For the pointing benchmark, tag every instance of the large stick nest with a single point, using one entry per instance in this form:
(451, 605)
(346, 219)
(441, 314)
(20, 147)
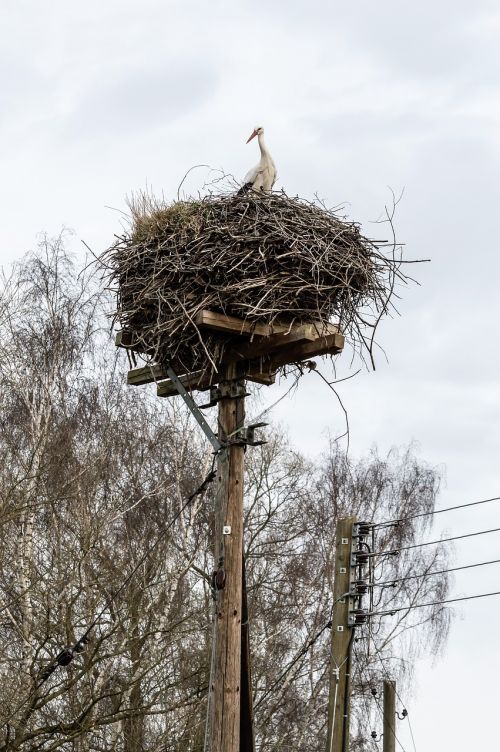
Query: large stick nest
(263, 258)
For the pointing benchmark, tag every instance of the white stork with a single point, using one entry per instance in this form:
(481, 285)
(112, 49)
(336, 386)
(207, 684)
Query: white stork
(262, 177)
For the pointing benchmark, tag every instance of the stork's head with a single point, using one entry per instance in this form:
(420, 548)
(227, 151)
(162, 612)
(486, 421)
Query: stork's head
(257, 131)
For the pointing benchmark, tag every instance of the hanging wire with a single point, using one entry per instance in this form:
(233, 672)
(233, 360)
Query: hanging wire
(431, 603)
(381, 711)
(398, 520)
(363, 696)
(380, 657)
(393, 551)
(423, 575)
(299, 655)
(270, 407)
(292, 663)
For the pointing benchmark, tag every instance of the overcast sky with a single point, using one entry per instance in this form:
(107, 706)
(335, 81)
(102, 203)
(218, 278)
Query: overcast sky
(101, 98)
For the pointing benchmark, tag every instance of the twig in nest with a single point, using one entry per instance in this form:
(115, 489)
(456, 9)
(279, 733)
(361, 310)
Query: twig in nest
(263, 258)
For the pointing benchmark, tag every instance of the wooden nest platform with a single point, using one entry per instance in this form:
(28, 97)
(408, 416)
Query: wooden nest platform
(265, 280)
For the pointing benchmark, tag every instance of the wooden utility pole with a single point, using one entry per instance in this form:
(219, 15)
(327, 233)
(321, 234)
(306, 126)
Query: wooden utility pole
(389, 716)
(254, 351)
(338, 706)
(226, 678)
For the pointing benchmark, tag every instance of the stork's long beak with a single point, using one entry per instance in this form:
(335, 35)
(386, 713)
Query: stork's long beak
(252, 136)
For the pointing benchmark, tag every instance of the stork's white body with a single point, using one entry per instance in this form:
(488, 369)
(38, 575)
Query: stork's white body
(263, 176)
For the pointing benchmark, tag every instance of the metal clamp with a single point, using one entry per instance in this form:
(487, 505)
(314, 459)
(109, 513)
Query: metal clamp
(359, 587)
(226, 390)
(246, 435)
(357, 616)
(359, 557)
(361, 529)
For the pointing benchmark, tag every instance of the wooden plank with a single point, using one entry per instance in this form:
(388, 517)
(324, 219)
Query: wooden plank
(261, 378)
(262, 361)
(198, 380)
(332, 344)
(232, 325)
(145, 375)
(267, 345)
(150, 374)
(267, 336)
(261, 371)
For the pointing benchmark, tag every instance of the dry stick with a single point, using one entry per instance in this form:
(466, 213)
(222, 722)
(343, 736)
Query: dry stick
(254, 256)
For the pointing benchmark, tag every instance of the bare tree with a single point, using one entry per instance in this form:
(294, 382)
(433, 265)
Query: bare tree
(101, 556)
(295, 507)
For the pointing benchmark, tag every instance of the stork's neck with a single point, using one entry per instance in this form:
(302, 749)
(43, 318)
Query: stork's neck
(262, 145)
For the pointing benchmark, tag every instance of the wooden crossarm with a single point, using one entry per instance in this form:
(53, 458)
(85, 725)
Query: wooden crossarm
(192, 381)
(201, 382)
(261, 370)
(268, 345)
(332, 344)
(218, 322)
(145, 375)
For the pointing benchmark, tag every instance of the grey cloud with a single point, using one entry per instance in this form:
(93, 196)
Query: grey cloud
(140, 98)
(424, 40)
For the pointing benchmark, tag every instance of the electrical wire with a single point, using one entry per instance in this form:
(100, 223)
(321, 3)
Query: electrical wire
(394, 551)
(363, 696)
(391, 551)
(379, 708)
(266, 410)
(436, 511)
(423, 575)
(379, 656)
(367, 680)
(432, 603)
(292, 663)
(299, 655)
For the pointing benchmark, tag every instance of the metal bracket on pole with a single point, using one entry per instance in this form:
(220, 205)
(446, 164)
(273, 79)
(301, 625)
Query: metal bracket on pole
(193, 407)
(246, 435)
(225, 390)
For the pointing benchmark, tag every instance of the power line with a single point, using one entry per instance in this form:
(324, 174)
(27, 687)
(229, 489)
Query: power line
(431, 603)
(433, 543)
(377, 703)
(389, 552)
(422, 575)
(436, 511)
(362, 694)
(292, 663)
(299, 655)
(379, 656)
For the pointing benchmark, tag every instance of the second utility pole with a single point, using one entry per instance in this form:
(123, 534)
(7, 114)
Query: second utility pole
(389, 716)
(340, 666)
